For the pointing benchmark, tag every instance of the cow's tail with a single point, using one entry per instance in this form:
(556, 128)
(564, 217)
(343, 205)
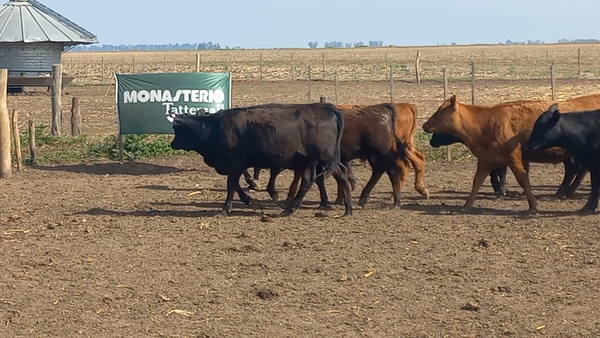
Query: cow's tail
(398, 143)
(337, 156)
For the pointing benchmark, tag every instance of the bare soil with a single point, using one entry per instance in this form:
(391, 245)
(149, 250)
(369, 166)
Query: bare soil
(132, 251)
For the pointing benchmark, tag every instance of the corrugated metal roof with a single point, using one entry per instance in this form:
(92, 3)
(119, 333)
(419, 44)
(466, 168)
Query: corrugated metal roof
(30, 21)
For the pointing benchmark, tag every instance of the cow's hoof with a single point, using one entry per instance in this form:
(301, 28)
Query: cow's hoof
(274, 197)
(222, 213)
(324, 207)
(586, 212)
(347, 214)
(254, 204)
(361, 202)
(286, 213)
(396, 206)
(531, 212)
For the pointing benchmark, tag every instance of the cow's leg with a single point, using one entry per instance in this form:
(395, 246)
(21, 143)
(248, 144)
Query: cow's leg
(256, 173)
(304, 187)
(571, 169)
(252, 184)
(341, 174)
(324, 204)
(233, 183)
(578, 179)
(482, 172)
(351, 177)
(520, 170)
(395, 173)
(417, 160)
(271, 185)
(498, 181)
(340, 191)
(293, 187)
(375, 176)
(592, 203)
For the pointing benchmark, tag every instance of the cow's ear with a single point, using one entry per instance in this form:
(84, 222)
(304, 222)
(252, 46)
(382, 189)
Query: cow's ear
(555, 112)
(453, 100)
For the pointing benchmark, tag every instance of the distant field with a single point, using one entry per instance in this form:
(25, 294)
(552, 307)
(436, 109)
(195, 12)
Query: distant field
(352, 64)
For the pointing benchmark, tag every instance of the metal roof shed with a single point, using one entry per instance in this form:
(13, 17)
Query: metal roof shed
(32, 39)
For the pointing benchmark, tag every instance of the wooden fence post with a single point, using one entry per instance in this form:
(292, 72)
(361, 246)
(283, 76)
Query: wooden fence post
(579, 63)
(198, 63)
(336, 86)
(323, 66)
(102, 71)
(308, 79)
(392, 83)
(56, 95)
(445, 83)
(17, 139)
(322, 99)
(418, 66)
(32, 146)
(75, 117)
(261, 67)
(5, 154)
(133, 64)
(293, 68)
(483, 64)
(473, 100)
(553, 80)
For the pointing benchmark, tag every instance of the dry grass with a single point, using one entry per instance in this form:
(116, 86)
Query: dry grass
(354, 64)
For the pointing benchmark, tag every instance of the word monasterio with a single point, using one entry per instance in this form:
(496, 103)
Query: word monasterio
(168, 100)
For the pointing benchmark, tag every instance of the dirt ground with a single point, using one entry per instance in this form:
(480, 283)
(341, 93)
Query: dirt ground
(127, 250)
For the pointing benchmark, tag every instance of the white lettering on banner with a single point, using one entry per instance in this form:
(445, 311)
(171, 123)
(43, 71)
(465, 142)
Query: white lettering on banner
(165, 96)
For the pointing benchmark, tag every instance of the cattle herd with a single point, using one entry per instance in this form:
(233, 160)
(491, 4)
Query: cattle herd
(316, 140)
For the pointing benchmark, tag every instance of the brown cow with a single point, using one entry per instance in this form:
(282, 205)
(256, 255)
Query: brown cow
(406, 126)
(369, 133)
(496, 135)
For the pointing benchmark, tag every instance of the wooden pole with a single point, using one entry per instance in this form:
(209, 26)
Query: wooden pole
(293, 68)
(32, 146)
(165, 62)
(261, 67)
(336, 86)
(308, 79)
(445, 82)
(392, 83)
(198, 62)
(56, 95)
(75, 117)
(579, 63)
(133, 64)
(322, 99)
(5, 154)
(102, 71)
(120, 144)
(483, 64)
(323, 67)
(553, 80)
(473, 83)
(515, 64)
(17, 139)
(418, 66)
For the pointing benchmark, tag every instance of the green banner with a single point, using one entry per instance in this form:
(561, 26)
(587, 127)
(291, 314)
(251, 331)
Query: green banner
(144, 101)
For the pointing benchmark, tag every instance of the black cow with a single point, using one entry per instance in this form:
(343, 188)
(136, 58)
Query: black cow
(301, 137)
(579, 134)
(497, 176)
(573, 171)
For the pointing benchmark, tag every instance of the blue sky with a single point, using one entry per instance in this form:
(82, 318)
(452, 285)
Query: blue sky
(268, 23)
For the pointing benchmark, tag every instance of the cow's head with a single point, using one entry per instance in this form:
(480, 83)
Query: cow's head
(441, 139)
(191, 132)
(445, 118)
(546, 130)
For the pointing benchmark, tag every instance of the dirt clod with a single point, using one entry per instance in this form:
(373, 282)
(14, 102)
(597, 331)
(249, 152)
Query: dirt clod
(267, 294)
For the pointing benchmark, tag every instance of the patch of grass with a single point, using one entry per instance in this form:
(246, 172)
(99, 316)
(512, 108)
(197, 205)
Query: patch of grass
(53, 149)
